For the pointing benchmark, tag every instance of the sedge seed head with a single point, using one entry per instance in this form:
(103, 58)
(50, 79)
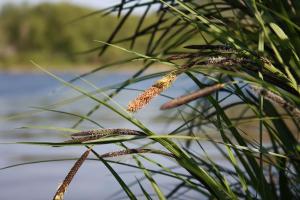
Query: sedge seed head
(144, 98)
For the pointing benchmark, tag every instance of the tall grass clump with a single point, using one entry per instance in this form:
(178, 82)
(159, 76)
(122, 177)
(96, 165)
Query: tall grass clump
(241, 58)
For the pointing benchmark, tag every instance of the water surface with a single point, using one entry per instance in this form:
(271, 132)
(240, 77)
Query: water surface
(19, 93)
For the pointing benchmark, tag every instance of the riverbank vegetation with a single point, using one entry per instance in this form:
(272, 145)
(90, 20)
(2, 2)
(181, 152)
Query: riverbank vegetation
(50, 34)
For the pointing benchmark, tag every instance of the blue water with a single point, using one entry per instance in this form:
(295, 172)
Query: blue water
(19, 92)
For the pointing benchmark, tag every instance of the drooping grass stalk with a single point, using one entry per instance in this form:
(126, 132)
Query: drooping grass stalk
(89, 135)
(59, 195)
(193, 96)
(277, 99)
(209, 47)
(135, 151)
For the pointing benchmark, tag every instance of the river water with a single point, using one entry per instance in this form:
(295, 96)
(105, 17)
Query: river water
(19, 93)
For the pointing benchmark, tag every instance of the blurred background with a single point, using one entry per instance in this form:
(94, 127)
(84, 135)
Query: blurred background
(46, 32)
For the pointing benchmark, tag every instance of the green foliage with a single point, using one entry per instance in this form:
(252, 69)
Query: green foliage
(243, 43)
(44, 32)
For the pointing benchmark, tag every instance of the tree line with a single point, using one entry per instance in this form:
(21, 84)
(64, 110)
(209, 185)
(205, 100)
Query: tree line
(45, 32)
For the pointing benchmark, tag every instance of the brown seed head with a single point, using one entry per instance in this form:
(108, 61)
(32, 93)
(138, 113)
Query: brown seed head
(135, 151)
(193, 96)
(277, 99)
(59, 195)
(144, 98)
(90, 135)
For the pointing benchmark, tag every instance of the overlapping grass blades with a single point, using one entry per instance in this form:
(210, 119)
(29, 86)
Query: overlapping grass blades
(262, 162)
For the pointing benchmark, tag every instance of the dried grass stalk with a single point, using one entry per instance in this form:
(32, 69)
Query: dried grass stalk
(225, 61)
(277, 99)
(134, 151)
(59, 195)
(211, 47)
(193, 96)
(89, 135)
(144, 98)
(108, 131)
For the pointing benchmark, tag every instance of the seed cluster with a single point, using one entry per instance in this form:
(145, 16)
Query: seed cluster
(59, 195)
(211, 47)
(134, 151)
(277, 99)
(144, 98)
(225, 61)
(90, 135)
